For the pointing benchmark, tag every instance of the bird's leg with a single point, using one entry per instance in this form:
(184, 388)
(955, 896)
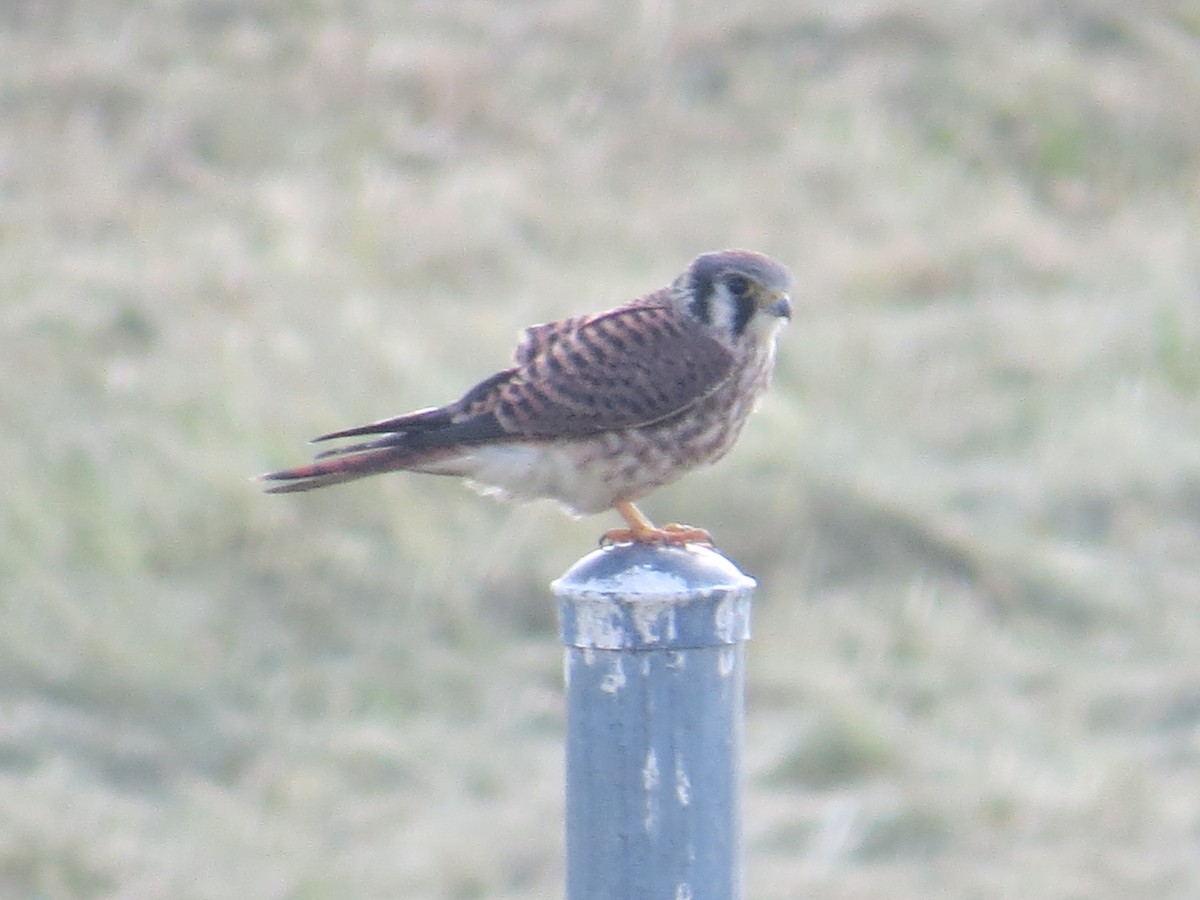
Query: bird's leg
(642, 531)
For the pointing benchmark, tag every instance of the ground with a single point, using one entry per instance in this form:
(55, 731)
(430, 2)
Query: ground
(972, 500)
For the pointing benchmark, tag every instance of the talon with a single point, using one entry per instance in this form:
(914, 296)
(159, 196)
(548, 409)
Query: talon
(618, 536)
(642, 531)
(687, 534)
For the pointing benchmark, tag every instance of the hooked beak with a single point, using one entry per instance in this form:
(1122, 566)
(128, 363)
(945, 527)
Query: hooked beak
(782, 307)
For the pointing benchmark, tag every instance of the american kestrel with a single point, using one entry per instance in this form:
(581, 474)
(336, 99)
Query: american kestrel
(597, 410)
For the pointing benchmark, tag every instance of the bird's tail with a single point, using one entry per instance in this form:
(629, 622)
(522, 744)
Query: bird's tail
(425, 438)
(325, 472)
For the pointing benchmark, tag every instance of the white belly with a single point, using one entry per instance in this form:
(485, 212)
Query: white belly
(588, 475)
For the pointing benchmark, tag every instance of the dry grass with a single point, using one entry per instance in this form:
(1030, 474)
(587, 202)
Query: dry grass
(973, 500)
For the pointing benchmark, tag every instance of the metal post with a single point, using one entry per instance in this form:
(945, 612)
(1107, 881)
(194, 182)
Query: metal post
(654, 668)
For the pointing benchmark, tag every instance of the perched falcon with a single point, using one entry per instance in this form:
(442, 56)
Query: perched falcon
(597, 410)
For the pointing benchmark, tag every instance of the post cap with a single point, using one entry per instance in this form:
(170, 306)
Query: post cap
(635, 596)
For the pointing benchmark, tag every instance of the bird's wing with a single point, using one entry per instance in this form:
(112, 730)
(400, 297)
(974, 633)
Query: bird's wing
(586, 375)
(631, 366)
(536, 339)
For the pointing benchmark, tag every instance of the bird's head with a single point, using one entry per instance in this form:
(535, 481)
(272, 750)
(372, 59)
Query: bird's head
(740, 294)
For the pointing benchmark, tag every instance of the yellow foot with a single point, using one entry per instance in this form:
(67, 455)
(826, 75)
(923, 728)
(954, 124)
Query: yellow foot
(642, 531)
(677, 535)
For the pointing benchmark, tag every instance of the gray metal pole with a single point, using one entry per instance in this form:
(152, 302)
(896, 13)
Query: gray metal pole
(654, 667)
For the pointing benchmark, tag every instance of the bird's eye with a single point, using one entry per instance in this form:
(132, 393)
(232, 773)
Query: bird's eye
(738, 285)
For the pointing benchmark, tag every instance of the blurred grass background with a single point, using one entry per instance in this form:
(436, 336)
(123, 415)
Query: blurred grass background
(972, 500)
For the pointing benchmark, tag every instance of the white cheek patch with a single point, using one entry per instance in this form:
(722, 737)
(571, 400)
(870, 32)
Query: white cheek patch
(722, 309)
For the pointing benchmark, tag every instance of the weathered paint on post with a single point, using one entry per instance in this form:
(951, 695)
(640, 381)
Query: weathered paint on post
(654, 667)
